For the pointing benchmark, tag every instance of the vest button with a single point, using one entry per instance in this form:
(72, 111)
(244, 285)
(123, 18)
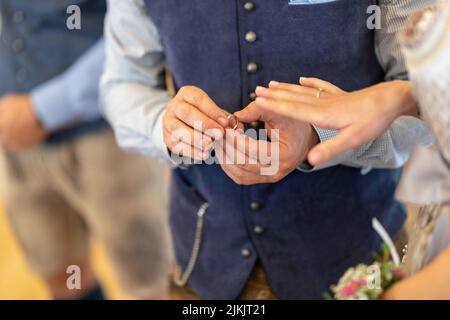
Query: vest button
(246, 252)
(18, 16)
(21, 75)
(255, 125)
(17, 45)
(250, 36)
(255, 205)
(252, 95)
(258, 230)
(252, 67)
(249, 6)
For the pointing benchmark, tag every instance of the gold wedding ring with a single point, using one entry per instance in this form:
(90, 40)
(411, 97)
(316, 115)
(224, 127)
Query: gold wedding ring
(319, 93)
(233, 119)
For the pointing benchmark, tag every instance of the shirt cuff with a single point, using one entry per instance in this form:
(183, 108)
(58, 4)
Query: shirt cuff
(323, 135)
(49, 102)
(158, 140)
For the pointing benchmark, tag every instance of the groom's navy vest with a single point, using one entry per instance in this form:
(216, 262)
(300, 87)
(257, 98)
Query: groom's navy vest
(308, 228)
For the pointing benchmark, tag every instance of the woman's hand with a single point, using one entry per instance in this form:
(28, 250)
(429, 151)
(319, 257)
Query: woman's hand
(361, 116)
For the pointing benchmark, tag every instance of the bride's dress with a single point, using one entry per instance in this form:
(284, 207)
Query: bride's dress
(426, 179)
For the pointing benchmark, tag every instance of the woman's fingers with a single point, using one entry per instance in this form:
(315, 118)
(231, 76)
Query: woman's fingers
(318, 83)
(290, 95)
(293, 88)
(185, 150)
(321, 116)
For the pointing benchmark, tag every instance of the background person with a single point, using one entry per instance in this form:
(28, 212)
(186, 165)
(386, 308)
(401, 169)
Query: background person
(63, 178)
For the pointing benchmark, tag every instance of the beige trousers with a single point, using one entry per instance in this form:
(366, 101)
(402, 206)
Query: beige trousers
(56, 197)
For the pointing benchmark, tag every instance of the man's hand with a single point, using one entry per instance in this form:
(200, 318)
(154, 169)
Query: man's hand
(192, 122)
(293, 140)
(19, 125)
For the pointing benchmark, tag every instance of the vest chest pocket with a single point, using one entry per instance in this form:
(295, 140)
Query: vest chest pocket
(332, 32)
(327, 9)
(187, 212)
(309, 2)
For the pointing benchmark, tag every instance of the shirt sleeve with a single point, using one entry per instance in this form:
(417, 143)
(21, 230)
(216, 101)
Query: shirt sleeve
(133, 97)
(71, 97)
(392, 149)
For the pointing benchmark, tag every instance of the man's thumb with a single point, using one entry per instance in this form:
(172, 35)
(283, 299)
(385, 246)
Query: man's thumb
(250, 113)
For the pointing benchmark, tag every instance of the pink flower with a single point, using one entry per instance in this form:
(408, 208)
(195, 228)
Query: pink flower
(351, 288)
(362, 282)
(347, 291)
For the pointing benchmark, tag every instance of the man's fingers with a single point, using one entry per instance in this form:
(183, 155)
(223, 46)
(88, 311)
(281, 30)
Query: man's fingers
(318, 83)
(182, 149)
(234, 157)
(199, 99)
(236, 174)
(250, 113)
(257, 151)
(196, 119)
(243, 177)
(177, 130)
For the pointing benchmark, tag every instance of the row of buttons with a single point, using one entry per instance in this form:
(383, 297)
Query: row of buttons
(18, 45)
(258, 230)
(252, 67)
(250, 37)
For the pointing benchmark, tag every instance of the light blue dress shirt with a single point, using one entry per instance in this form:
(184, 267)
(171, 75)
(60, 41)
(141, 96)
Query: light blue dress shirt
(76, 88)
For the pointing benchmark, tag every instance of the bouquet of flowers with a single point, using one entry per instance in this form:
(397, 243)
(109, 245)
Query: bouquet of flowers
(368, 282)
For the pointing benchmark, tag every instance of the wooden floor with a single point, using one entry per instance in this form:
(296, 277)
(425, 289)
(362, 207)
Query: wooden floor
(17, 282)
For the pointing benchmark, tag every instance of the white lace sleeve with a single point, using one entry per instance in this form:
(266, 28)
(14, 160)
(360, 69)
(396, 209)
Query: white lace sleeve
(426, 43)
